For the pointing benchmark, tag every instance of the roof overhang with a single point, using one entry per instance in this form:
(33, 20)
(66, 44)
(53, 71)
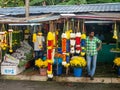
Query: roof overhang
(45, 18)
(24, 24)
(97, 16)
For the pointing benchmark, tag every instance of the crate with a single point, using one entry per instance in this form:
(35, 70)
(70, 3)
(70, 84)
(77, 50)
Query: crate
(11, 70)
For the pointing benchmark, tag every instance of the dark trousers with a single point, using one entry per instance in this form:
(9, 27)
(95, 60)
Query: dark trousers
(38, 54)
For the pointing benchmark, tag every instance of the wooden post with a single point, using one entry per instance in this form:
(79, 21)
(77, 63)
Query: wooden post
(27, 8)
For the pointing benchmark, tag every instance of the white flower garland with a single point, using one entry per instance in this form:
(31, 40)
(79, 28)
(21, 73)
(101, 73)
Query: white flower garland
(72, 43)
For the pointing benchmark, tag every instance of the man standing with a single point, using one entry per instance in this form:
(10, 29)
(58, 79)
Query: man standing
(93, 45)
(39, 46)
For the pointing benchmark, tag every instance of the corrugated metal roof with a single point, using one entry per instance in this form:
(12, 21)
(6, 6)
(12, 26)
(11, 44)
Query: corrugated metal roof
(83, 8)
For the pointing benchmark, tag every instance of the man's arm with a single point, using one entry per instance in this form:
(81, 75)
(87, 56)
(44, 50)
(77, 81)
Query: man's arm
(99, 47)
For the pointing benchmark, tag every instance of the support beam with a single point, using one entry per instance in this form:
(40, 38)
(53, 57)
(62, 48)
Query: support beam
(27, 8)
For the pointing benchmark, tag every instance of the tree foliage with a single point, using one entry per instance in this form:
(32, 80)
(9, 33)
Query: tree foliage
(102, 1)
(17, 3)
(11, 3)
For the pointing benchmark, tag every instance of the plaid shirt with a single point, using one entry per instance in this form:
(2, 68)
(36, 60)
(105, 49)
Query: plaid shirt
(91, 46)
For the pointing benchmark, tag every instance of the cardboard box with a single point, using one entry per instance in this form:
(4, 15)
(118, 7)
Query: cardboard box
(11, 70)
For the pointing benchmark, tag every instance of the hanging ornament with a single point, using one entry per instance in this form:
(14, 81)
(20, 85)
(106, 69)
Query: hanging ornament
(115, 36)
(10, 40)
(50, 44)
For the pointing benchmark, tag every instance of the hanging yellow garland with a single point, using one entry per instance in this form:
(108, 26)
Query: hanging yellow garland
(115, 36)
(10, 40)
(3, 40)
(34, 37)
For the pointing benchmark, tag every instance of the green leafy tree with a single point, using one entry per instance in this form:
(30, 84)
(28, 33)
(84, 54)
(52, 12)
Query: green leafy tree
(17, 3)
(11, 3)
(102, 1)
(44, 2)
(73, 2)
(57, 2)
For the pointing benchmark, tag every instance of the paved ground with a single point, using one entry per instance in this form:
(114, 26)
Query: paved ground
(52, 85)
(105, 73)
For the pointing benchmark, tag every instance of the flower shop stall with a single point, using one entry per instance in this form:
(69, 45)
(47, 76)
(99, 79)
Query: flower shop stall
(65, 45)
(15, 53)
(14, 63)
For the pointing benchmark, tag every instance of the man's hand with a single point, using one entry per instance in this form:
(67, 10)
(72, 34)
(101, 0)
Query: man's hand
(98, 48)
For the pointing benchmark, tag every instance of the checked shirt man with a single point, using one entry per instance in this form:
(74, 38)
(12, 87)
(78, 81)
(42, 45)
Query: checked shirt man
(93, 45)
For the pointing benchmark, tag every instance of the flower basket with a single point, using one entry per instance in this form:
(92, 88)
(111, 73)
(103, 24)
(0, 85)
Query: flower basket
(77, 63)
(43, 71)
(117, 63)
(42, 64)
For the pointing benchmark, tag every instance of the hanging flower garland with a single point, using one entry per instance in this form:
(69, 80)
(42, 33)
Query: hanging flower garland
(83, 40)
(56, 37)
(72, 43)
(3, 40)
(54, 45)
(50, 45)
(78, 41)
(34, 37)
(10, 40)
(68, 45)
(39, 39)
(83, 44)
(64, 40)
(16, 37)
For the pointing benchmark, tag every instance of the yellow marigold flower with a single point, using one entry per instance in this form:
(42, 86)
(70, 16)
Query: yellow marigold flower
(117, 61)
(77, 61)
(83, 36)
(10, 50)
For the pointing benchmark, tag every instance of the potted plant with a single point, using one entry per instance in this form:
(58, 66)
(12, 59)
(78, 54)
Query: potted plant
(117, 63)
(42, 64)
(77, 63)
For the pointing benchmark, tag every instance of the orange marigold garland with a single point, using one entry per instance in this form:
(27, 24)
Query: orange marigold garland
(64, 40)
